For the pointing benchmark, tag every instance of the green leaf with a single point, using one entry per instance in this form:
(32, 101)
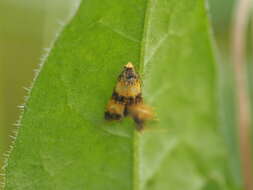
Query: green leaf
(64, 142)
(228, 116)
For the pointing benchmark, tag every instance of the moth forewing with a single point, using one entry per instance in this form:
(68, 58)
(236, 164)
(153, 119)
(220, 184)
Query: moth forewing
(140, 113)
(114, 110)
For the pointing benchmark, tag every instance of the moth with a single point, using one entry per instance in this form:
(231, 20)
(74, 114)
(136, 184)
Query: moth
(126, 99)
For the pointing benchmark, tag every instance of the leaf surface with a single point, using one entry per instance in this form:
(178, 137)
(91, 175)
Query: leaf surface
(64, 142)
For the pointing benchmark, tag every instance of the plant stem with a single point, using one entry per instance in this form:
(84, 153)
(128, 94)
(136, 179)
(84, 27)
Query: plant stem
(242, 94)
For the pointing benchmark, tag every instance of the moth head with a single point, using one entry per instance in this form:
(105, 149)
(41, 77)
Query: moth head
(128, 74)
(129, 65)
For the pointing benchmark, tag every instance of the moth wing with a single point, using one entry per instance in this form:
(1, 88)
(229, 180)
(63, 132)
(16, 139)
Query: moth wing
(140, 114)
(114, 110)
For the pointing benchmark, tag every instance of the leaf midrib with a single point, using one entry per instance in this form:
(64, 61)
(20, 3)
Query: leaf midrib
(137, 134)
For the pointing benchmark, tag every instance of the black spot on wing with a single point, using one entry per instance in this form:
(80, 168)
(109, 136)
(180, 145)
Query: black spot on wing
(112, 116)
(127, 100)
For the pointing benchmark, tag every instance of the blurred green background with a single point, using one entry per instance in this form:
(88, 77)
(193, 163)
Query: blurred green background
(29, 26)
(26, 28)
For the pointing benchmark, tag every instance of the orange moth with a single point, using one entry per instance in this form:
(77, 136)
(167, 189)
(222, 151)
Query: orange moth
(127, 100)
